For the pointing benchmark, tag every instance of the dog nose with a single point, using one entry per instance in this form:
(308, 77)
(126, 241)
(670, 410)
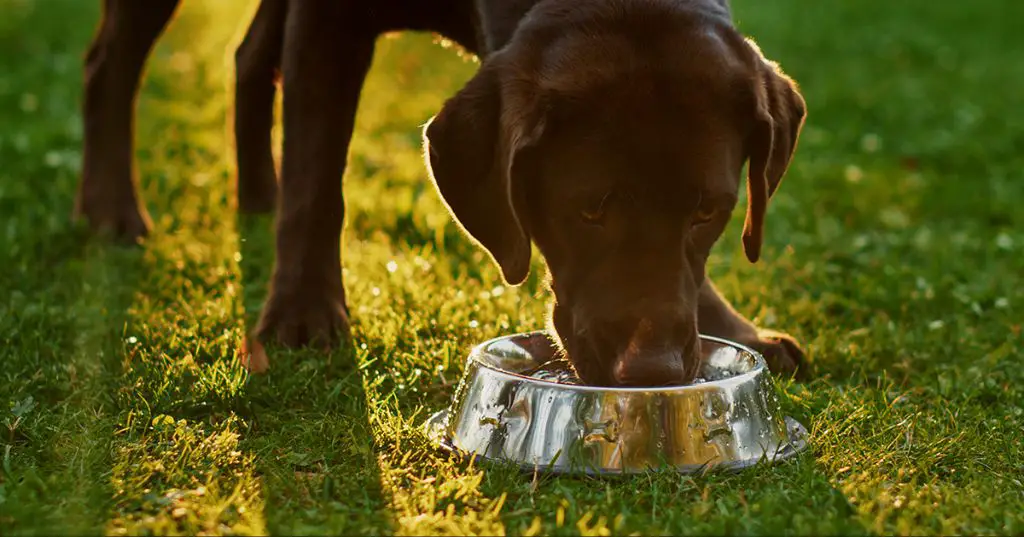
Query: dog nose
(657, 363)
(662, 368)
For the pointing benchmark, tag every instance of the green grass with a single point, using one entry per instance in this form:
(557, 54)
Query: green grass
(893, 251)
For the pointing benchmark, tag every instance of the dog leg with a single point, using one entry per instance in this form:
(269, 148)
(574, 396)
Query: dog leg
(716, 317)
(327, 53)
(257, 61)
(106, 196)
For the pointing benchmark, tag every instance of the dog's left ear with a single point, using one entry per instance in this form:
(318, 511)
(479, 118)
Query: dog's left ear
(780, 115)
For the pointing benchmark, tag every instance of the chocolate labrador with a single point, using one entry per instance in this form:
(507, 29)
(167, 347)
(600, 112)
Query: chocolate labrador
(610, 133)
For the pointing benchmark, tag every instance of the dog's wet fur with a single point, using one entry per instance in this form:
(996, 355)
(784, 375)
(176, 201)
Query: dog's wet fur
(610, 133)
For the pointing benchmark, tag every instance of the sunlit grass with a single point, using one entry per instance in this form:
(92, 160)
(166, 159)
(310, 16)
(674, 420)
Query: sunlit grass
(893, 250)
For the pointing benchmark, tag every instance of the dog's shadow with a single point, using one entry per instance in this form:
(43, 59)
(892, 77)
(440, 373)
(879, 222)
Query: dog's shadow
(255, 262)
(312, 434)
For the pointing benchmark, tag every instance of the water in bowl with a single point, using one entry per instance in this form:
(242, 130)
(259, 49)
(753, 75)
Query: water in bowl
(558, 370)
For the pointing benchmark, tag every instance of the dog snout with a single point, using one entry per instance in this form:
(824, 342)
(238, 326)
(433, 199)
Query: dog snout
(660, 367)
(646, 351)
(659, 357)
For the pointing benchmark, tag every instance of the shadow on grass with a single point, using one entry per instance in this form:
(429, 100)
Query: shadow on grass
(312, 437)
(68, 313)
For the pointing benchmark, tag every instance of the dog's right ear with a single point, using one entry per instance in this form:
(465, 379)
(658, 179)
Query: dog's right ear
(471, 146)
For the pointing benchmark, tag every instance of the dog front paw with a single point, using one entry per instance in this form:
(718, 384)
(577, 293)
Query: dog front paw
(782, 353)
(294, 320)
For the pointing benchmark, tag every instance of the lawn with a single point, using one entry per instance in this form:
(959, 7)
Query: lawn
(893, 251)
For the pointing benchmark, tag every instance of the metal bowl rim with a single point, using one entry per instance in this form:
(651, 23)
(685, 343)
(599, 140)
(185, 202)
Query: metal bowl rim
(481, 350)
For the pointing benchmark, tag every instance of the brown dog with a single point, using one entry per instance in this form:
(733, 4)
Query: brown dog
(611, 133)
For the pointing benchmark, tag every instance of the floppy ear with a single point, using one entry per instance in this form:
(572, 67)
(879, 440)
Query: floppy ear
(471, 146)
(780, 116)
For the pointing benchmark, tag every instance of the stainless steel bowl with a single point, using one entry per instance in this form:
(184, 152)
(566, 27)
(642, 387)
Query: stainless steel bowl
(731, 420)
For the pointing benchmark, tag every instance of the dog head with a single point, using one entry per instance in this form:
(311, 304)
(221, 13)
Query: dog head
(613, 135)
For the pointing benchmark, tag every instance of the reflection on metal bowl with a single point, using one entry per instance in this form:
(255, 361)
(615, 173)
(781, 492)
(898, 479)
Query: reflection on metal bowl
(730, 420)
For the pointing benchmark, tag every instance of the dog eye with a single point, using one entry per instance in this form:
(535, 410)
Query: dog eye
(593, 217)
(594, 213)
(704, 215)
